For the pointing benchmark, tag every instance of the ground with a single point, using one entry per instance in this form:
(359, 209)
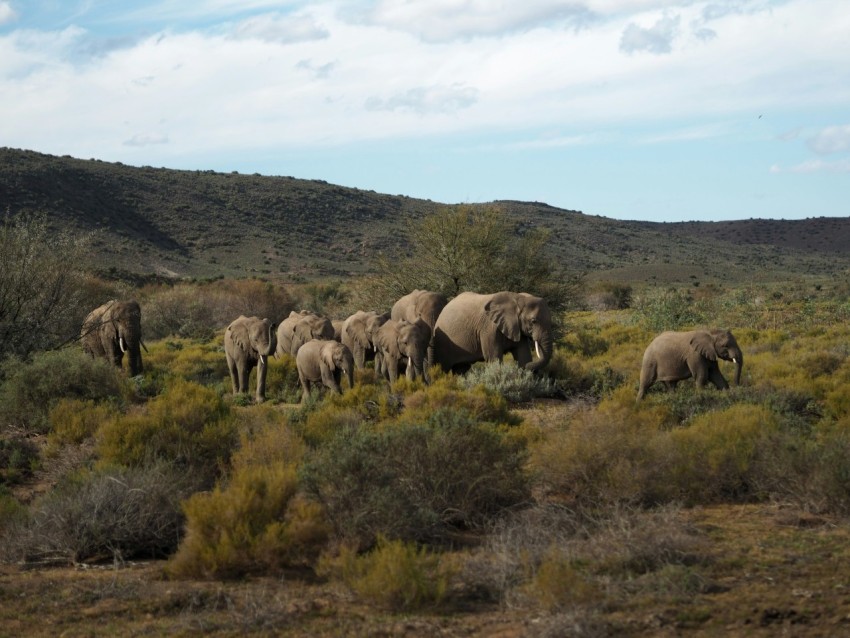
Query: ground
(772, 571)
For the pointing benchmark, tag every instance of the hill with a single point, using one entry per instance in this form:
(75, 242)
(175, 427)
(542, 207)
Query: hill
(179, 223)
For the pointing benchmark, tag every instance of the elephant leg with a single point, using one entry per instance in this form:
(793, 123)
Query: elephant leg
(359, 353)
(261, 383)
(717, 378)
(648, 375)
(392, 369)
(329, 379)
(234, 374)
(244, 375)
(305, 390)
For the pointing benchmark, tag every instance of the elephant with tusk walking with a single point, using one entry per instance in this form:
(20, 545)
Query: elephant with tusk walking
(113, 329)
(675, 356)
(248, 342)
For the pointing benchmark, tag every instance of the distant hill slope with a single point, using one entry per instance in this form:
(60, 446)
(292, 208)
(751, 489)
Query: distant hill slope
(202, 224)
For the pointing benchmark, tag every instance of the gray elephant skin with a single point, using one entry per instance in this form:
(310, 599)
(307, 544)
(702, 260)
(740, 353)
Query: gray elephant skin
(299, 328)
(324, 362)
(675, 356)
(248, 342)
(113, 329)
(475, 327)
(402, 343)
(358, 333)
(424, 305)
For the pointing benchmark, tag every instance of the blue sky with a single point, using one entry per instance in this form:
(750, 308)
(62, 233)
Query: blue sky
(663, 110)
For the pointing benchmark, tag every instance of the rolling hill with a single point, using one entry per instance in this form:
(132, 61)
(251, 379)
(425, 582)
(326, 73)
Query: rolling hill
(177, 223)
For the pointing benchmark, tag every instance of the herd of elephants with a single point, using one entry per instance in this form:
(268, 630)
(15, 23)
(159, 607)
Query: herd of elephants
(422, 329)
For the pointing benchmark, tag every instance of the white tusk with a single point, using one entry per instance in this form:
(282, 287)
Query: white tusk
(121, 344)
(734, 360)
(262, 360)
(410, 361)
(537, 349)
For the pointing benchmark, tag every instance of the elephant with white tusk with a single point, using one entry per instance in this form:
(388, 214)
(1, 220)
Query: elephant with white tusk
(424, 305)
(474, 327)
(402, 343)
(113, 329)
(358, 333)
(675, 356)
(248, 342)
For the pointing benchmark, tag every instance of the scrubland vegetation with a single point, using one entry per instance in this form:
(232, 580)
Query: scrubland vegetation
(550, 505)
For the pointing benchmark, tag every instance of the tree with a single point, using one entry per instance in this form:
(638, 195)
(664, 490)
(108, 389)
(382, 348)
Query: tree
(40, 286)
(470, 248)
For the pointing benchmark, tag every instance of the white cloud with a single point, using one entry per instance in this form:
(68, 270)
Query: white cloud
(834, 139)
(423, 100)
(280, 28)
(146, 139)
(7, 13)
(655, 39)
(814, 166)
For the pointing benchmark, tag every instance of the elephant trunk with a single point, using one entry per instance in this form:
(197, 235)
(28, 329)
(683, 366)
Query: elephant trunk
(739, 363)
(543, 346)
(129, 342)
(348, 370)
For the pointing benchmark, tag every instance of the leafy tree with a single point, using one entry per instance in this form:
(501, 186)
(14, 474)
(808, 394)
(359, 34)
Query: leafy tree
(41, 285)
(470, 248)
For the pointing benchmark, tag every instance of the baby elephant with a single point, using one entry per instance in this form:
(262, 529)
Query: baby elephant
(673, 356)
(325, 362)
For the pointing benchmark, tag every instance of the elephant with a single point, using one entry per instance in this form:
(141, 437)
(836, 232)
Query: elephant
(324, 361)
(111, 330)
(358, 333)
(248, 342)
(337, 324)
(475, 327)
(403, 342)
(420, 304)
(674, 356)
(299, 328)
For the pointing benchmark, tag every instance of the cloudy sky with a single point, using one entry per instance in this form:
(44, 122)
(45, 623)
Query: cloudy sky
(633, 109)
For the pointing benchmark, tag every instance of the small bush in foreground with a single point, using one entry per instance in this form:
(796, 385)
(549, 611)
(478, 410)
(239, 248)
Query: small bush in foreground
(507, 379)
(72, 421)
(256, 523)
(188, 425)
(115, 513)
(395, 575)
(31, 389)
(416, 480)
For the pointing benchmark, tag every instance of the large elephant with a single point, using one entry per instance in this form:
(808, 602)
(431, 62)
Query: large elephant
(674, 356)
(324, 362)
(358, 332)
(299, 328)
(113, 329)
(424, 305)
(474, 327)
(403, 342)
(248, 342)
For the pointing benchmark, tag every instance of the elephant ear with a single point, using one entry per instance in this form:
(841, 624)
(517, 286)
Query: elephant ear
(503, 311)
(357, 333)
(326, 356)
(239, 335)
(703, 343)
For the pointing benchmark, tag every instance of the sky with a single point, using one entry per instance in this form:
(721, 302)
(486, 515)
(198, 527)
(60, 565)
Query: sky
(660, 110)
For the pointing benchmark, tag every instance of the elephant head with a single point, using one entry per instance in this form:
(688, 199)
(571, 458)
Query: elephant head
(518, 315)
(358, 333)
(310, 326)
(263, 339)
(337, 358)
(413, 341)
(719, 344)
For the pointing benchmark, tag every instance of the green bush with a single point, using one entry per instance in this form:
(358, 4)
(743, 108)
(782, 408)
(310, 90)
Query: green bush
(32, 389)
(72, 421)
(396, 575)
(417, 480)
(515, 384)
(188, 425)
(257, 523)
(18, 457)
(116, 513)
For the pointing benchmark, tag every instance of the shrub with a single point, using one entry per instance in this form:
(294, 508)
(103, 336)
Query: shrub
(667, 310)
(479, 403)
(396, 575)
(187, 425)
(114, 513)
(256, 523)
(18, 458)
(515, 384)
(416, 480)
(199, 361)
(72, 421)
(31, 389)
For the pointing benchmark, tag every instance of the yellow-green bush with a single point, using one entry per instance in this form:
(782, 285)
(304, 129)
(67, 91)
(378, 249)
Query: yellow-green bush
(72, 421)
(187, 424)
(713, 457)
(557, 583)
(266, 439)
(479, 403)
(395, 575)
(256, 523)
(200, 361)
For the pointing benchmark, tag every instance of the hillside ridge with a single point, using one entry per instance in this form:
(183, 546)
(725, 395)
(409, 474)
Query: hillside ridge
(201, 223)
